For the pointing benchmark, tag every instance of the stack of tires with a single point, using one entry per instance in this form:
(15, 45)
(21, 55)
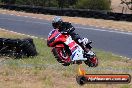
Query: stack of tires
(17, 48)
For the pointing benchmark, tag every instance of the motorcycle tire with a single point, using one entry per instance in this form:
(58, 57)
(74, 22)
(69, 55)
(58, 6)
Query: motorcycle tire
(28, 48)
(60, 58)
(91, 63)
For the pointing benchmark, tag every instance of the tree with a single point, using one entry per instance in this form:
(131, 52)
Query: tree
(60, 3)
(72, 2)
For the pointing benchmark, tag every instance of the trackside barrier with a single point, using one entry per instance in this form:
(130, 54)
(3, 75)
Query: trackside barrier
(71, 12)
(17, 48)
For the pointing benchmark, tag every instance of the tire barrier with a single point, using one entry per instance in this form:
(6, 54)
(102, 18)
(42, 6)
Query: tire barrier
(71, 12)
(17, 48)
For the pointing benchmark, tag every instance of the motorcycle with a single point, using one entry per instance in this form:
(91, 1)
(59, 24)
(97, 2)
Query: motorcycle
(66, 50)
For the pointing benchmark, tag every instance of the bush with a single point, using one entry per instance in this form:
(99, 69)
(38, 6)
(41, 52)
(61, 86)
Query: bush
(94, 4)
(45, 3)
(83, 4)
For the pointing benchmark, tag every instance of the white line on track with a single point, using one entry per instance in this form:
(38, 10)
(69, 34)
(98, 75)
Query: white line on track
(40, 18)
(24, 21)
(20, 33)
(12, 14)
(26, 16)
(120, 32)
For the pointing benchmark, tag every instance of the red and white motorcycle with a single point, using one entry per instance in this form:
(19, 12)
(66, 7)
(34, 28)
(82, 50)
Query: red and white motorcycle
(67, 51)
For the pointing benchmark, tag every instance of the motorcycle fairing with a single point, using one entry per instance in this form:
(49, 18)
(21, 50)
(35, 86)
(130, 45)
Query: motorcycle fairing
(53, 38)
(76, 50)
(56, 37)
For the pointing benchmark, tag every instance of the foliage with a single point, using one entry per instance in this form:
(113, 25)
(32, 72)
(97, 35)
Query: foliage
(8, 1)
(83, 4)
(94, 4)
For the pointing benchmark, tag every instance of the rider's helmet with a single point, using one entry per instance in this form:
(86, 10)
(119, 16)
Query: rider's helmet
(56, 22)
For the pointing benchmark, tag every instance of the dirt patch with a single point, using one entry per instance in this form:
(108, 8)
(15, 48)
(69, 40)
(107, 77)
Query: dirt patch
(118, 7)
(49, 78)
(118, 25)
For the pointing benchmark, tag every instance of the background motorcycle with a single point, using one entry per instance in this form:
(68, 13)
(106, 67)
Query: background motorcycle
(65, 49)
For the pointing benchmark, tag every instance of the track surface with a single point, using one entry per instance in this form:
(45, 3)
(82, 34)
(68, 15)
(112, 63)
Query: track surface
(113, 41)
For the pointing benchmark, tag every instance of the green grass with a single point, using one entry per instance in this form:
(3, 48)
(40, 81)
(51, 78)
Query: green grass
(43, 71)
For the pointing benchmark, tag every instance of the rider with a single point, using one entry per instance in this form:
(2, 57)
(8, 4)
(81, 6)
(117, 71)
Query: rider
(67, 28)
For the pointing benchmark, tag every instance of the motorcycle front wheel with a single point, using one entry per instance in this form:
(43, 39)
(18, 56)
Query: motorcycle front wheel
(92, 62)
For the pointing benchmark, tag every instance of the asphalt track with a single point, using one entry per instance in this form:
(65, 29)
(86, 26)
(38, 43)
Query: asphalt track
(119, 43)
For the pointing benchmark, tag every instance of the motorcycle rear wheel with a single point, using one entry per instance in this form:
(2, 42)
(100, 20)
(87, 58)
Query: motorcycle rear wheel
(62, 56)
